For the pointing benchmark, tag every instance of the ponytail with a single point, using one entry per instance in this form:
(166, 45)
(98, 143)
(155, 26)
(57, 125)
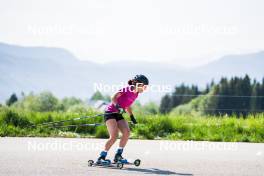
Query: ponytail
(130, 82)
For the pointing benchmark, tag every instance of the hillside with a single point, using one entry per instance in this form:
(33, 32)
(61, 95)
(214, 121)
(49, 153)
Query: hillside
(58, 70)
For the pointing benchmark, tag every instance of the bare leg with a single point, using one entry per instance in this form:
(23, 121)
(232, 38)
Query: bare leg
(113, 132)
(124, 128)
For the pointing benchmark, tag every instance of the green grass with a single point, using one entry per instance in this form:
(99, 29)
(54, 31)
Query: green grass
(14, 122)
(202, 128)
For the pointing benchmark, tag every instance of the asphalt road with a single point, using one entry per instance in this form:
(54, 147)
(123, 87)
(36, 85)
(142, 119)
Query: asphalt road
(69, 156)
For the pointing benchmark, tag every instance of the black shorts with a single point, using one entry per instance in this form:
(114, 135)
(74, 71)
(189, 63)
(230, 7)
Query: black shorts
(115, 116)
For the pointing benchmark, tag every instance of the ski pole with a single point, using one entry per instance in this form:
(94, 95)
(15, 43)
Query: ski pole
(69, 120)
(86, 124)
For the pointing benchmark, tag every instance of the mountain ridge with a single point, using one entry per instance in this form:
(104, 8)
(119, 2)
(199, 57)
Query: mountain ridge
(58, 70)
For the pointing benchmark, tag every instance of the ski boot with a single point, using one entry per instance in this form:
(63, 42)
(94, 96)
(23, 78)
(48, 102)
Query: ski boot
(101, 160)
(119, 158)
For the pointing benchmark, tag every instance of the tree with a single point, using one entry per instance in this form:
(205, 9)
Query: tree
(44, 102)
(97, 96)
(207, 89)
(182, 94)
(13, 98)
(67, 102)
(255, 101)
(165, 104)
(246, 93)
(151, 108)
(262, 95)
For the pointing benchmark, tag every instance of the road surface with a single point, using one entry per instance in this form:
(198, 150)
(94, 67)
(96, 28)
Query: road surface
(68, 157)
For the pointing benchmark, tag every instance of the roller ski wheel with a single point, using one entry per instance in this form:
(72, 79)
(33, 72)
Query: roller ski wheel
(137, 162)
(90, 163)
(120, 165)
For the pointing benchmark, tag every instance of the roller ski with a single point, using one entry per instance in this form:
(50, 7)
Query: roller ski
(118, 162)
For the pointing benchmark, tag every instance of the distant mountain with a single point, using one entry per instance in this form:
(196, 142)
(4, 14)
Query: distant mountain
(42, 68)
(39, 68)
(236, 65)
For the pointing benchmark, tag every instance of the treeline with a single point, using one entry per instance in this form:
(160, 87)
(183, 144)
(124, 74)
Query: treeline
(45, 102)
(233, 96)
(182, 94)
(239, 96)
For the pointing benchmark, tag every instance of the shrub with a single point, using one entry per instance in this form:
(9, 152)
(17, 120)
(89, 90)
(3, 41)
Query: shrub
(101, 132)
(10, 117)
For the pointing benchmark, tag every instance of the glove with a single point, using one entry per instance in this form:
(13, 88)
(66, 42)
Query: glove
(118, 107)
(133, 119)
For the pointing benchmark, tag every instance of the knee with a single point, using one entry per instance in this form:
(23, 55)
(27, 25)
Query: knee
(126, 133)
(113, 138)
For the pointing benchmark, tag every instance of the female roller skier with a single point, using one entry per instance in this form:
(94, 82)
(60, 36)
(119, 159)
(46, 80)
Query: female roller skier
(122, 100)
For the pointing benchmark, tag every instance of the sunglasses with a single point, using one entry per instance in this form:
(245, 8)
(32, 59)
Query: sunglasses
(144, 87)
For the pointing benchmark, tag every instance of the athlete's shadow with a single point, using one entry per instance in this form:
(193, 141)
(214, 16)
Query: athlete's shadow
(155, 171)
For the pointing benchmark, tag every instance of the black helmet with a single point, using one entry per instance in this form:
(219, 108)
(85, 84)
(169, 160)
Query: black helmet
(142, 79)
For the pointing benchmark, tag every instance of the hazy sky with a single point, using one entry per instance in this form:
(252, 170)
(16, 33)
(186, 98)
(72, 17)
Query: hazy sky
(185, 32)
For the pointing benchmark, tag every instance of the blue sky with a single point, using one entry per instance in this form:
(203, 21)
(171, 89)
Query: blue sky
(184, 32)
